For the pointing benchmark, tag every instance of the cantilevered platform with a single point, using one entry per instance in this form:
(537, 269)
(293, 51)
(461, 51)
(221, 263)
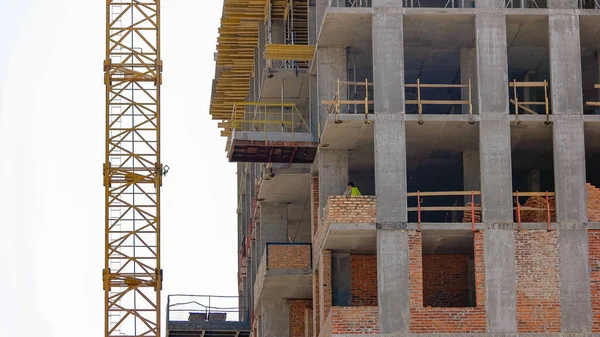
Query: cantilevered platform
(208, 329)
(272, 147)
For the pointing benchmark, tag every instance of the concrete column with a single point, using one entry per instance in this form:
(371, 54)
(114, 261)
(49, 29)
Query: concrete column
(563, 4)
(468, 70)
(273, 223)
(275, 318)
(390, 167)
(570, 173)
(314, 106)
(534, 183)
(496, 171)
(331, 66)
(488, 4)
(471, 173)
(340, 280)
(333, 175)
(392, 281)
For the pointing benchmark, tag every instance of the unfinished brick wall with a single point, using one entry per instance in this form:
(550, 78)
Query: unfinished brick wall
(297, 317)
(363, 278)
(325, 299)
(446, 280)
(445, 320)
(316, 307)
(360, 209)
(314, 188)
(355, 320)
(594, 252)
(538, 292)
(593, 201)
(289, 256)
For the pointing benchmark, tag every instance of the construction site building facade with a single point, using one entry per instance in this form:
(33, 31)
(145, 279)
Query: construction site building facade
(471, 129)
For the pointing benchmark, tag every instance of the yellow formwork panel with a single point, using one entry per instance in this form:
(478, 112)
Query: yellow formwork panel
(289, 52)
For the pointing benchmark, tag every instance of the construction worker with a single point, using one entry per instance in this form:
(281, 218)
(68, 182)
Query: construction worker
(351, 190)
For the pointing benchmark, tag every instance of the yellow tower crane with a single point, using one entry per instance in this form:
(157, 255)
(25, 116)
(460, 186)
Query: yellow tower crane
(132, 278)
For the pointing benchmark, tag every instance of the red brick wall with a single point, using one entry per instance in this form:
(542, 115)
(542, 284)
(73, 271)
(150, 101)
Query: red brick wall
(359, 209)
(593, 202)
(289, 256)
(594, 248)
(315, 204)
(355, 320)
(316, 307)
(446, 280)
(444, 320)
(538, 300)
(297, 317)
(363, 278)
(325, 285)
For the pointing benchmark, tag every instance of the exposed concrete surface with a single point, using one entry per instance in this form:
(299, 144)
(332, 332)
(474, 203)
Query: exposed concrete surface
(390, 171)
(489, 3)
(563, 4)
(565, 64)
(274, 318)
(388, 63)
(340, 279)
(569, 170)
(492, 63)
(392, 281)
(274, 223)
(468, 70)
(575, 296)
(496, 170)
(333, 175)
(387, 3)
(500, 280)
(471, 173)
(331, 66)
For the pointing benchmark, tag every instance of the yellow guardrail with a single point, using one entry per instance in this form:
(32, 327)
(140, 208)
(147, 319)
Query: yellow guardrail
(526, 105)
(268, 117)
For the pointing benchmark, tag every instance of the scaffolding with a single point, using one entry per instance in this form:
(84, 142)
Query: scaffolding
(269, 117)
(132, 278)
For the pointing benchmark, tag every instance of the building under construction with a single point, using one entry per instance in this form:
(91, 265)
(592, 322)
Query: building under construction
(471, 129)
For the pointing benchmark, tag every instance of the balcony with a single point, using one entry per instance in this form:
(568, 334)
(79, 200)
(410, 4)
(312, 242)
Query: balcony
(207, 316)
(270, 133)
(348, 224)
(285, 271)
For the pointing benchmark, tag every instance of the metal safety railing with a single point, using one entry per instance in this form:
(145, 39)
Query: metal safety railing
(472, 207)
(521, 4)
(547, 209)
(335, 105)
(206, 308)
(420, 102)
(526, 106)
(268, 117)
(591, 103)
(589, 4)
(350, 3)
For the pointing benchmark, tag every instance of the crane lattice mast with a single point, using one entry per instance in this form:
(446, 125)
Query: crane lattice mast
(132, 278)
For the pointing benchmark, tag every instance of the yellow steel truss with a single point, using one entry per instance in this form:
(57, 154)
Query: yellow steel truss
(132, 277)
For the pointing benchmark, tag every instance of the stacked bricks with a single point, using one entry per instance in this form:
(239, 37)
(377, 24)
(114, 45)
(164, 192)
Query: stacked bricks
(467, 215)
(446, 280)
(288, 256)
(594, 252)
(538, 297)
(363, 278)
(360, 209)
(308, 322)
(593, 200)
(314, 187)
(297, 317)
(325, 299)
(354, 320)
(445, 320)
(540, 215)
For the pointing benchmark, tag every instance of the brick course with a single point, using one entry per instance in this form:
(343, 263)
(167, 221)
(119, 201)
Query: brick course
(325, 300)
(363, 278)
(297, 317)
(593, 201)
(289, 256)
(354, 320)
(360, 209)
(594, 252)
(445, 320)
(315, 204)
(538, 292)
(308, 322)
(446, 280)
(316, 307)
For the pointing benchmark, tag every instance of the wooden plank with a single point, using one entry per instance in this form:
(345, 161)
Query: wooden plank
(442, 193)
(527, 84)
(439, 86)
(436, 102)
(534, 194)
(442, 208)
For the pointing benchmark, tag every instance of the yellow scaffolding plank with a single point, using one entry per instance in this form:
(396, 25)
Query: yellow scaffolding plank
(289, 52)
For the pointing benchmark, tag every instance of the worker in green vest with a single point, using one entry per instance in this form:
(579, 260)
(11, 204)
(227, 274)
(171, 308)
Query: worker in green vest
(351, 190)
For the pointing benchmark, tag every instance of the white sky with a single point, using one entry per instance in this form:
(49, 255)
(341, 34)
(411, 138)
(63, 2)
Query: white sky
(51, 154)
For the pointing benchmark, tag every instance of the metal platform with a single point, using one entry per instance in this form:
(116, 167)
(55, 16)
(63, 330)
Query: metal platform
(272, 147)
(208, 329)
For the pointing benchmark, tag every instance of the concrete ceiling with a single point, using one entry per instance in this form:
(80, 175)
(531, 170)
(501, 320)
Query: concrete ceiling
(448, 242)
(295, 86)
(286, 188)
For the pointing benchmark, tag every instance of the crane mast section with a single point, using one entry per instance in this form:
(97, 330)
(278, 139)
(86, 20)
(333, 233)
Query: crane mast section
(132, 170)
